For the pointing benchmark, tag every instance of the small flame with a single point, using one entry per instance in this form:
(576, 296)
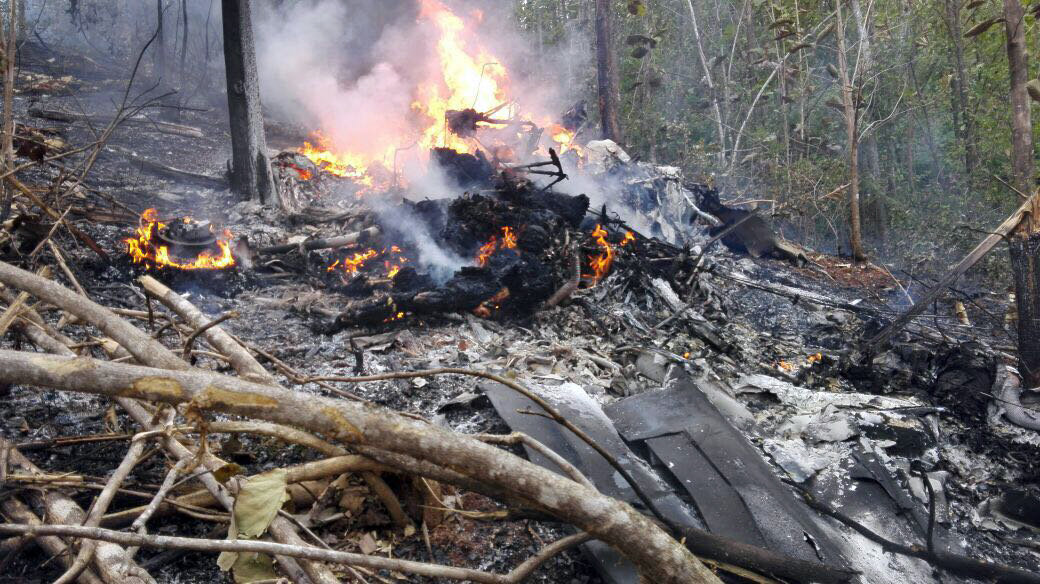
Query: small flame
(600, 264)
(629, 238)
(509, 241)
(143, 249)
(394, 258)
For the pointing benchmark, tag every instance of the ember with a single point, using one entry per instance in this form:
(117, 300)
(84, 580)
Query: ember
(183, 244)
(393, 259)
(508, 241)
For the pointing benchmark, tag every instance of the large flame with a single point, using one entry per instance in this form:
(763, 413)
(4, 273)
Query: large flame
(145, 249)
(470, 77)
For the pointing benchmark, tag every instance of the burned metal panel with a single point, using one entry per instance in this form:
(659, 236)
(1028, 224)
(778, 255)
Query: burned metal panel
(573, 402)
(683, 412)
(718, 503)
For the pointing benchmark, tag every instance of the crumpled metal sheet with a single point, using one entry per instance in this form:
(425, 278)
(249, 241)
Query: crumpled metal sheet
(723, 473)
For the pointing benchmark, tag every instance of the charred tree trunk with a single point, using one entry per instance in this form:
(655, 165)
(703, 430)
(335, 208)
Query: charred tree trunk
(851, 115)
(1024, 243)
(607, 72)
(1025, 266)
(251, 170)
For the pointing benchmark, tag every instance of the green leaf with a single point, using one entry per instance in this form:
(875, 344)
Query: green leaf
(258, 502)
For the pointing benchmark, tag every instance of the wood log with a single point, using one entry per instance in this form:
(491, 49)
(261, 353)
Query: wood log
(326, 243)
(216, 182)
(71, 117)
(659, 557)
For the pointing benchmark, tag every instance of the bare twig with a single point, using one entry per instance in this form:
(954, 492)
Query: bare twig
(198, 331)
(100, 506)
(300, 551)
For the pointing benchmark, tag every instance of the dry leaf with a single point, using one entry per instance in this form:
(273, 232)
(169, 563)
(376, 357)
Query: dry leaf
(1033, 88)
(258, 502)
(250, 567)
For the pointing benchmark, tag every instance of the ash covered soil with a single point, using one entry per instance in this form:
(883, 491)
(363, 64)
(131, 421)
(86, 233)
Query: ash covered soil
(787, 360)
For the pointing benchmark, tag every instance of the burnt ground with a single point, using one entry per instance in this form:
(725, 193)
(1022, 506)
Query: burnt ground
(605, 341)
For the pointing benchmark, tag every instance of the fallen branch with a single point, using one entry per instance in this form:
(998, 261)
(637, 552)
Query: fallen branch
(328, 243)
(241, 360)
(873, 343)
(110, 561)
(216, 182)
(17, 512)
(659, 557)
(163, 127)
(104, 499)
(305, 552)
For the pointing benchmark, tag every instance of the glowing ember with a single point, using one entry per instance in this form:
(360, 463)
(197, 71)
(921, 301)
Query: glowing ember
(393, 259)
(509, 240)
(493, 304)
(147, 248)
(600, 264)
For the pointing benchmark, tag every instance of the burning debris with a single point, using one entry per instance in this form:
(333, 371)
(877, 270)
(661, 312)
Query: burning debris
(182, 244)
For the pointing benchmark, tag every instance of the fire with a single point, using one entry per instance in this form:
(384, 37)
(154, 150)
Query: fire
(470, 80)
(600, 264)
(629, 238)
(145, 247)
(341, 164)
(509, 240)
(564, 139)
(393, 259)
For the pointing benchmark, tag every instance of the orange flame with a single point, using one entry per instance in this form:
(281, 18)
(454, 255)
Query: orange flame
(564, 139)
(600, 264)
(509, 241)
(143, 250)
(469, 77)
(352, 264)
(629, 238)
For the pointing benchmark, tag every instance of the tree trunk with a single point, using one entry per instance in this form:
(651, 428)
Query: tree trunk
(963, 122)
(10, 61)
(1024, 243)
(251, 170)
(849, 106)
(607, 72)
(1021, 127)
